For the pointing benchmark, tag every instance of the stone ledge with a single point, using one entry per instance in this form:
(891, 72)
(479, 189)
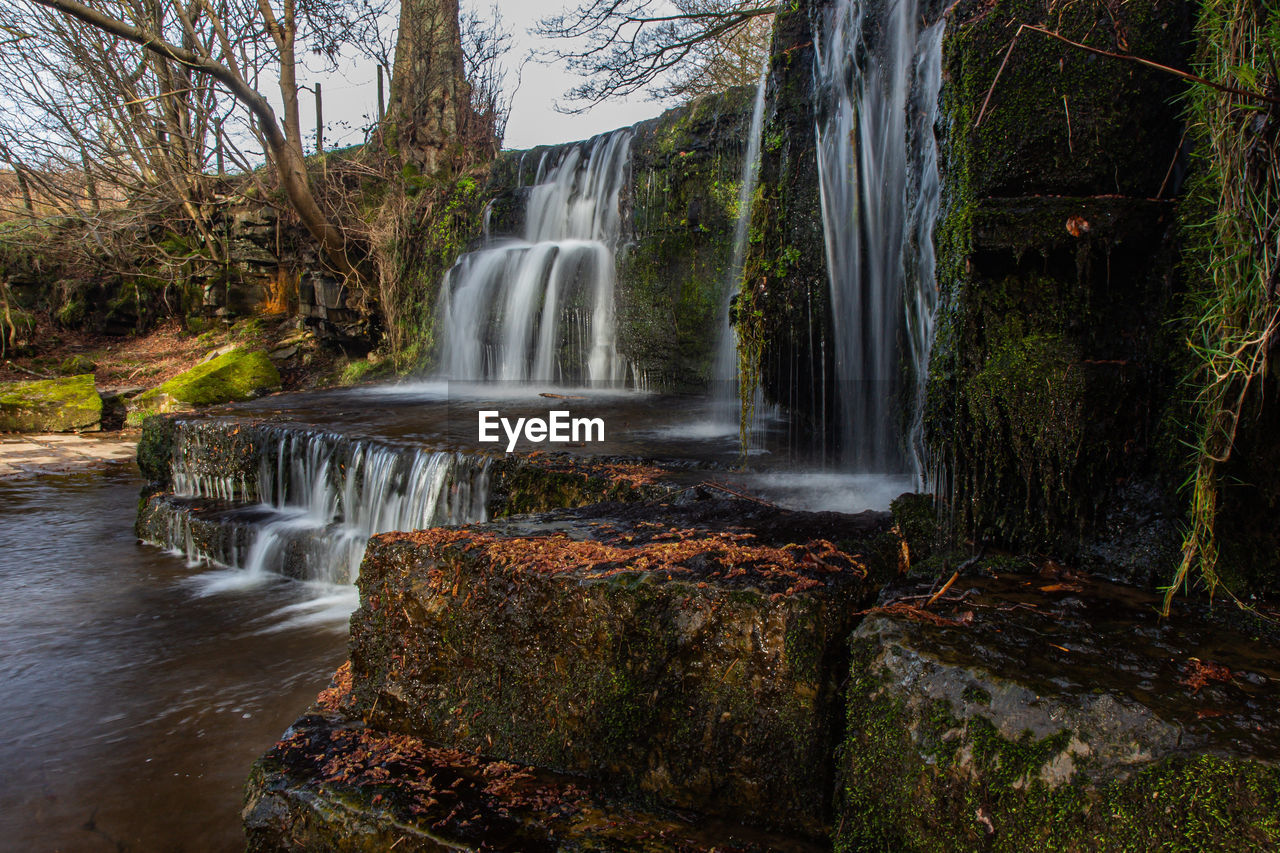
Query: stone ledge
(1058, 713)
(686, 654)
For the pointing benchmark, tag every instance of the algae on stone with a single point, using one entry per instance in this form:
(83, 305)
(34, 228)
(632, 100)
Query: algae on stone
(1054, 360)
(1061, 715)
(231, 377)
(50, 405)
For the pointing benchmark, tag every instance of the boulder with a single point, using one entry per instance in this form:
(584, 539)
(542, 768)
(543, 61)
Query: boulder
(52, 405)
(687, 654)
(230, 377)
(1058, 714)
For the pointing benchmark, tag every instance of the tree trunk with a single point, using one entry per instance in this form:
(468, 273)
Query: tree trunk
(429, 92)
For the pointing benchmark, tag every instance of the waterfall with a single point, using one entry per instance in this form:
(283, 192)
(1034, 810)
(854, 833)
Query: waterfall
(878, 76)
(321, 496)
(724, 372)
(541, 308)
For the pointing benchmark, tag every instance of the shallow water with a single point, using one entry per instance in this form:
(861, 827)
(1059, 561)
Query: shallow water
(136, 690)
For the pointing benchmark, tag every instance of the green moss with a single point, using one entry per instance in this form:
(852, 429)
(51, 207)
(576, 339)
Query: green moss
(156, 449)
(915, 518)
(673, 273)
(1052, 358)
(926, 778)
(231, 377)
(74, 365)
(52, 405)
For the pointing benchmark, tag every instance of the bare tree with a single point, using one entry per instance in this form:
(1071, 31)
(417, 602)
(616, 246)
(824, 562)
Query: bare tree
(429, 92)
(486, 45)
(237, 45)
(624, 46)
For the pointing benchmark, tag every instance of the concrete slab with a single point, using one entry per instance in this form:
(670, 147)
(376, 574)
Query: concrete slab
(50, 454)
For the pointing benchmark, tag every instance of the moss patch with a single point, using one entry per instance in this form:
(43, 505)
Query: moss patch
(53, 405)
(1065, 718)
(231, 377)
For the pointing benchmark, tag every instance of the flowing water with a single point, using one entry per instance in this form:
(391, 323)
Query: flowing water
(320, 496)
(541, 308)
(878, 74)
(724, 372)
(133, 702)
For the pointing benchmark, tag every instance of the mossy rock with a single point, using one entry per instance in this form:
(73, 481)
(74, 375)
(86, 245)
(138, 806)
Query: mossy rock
(641, 645)
(396, 792)
(231, 377)
(155, 450)
(51, 405)
(76, 365)
(1059, 714)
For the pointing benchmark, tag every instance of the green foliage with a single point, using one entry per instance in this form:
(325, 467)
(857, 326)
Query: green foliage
(418, 234)
(1233, 220)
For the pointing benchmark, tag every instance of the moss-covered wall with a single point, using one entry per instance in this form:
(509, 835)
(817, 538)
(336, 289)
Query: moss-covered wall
(681, 212)
(783, 309)
(1053, 368)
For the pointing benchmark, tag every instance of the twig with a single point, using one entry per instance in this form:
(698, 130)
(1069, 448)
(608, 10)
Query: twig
(946, 586)
(31, 372)
(1172, 164)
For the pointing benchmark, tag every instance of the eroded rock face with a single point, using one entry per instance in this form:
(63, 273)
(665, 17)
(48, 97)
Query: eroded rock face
(333, 783)
(1025, 713)
(688, 654)
(52, 405)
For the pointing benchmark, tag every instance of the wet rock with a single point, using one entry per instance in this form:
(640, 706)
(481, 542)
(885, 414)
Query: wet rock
(689, 655)
(334, 783)
(679, 215)
(1058, 713)
(50, 405)
(227, 377)
(1055, 368)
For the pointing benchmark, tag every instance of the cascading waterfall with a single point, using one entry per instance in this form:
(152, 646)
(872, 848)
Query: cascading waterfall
(541, 308)
(322, 496)
(724, 372)
(878, 76)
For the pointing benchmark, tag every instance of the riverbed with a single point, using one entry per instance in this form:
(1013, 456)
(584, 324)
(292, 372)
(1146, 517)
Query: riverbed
(137, 690)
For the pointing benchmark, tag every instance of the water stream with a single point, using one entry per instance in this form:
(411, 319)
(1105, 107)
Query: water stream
(878, 75)
(724, 372)
(541, 308)
(134, 704)
(320, 495)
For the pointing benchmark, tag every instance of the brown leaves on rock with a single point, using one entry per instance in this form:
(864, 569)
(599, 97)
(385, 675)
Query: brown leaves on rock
(445, 788)
(338, 694)
(688, 553)
(629, 474)
(1198, 674)
(677, 552)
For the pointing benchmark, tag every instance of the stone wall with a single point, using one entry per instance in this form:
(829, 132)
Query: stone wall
(1054, 364)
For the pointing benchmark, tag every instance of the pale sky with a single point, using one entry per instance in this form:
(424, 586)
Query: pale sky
(350, 96)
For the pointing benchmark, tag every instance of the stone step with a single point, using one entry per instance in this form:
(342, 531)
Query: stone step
(334, 783)
(1063, 713)
(687, 652)
(308, 499)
